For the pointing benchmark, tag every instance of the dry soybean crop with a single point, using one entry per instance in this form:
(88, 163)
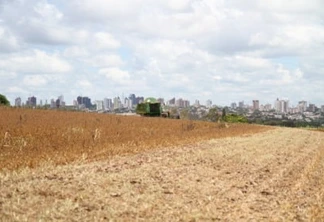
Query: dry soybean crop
(32, 137)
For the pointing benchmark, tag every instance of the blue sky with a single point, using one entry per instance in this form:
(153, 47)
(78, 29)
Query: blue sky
(225, 51)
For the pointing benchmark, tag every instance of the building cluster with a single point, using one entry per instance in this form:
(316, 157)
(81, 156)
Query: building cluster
(108, 104)
(30, 102)
(280, 106)
(181, 103)
(57, 103)
(130, 102)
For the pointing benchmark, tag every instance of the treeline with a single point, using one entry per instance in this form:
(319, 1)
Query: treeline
(287, 123)
(214, 115)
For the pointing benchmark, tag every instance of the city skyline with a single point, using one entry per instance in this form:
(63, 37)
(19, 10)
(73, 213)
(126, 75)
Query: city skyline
(219, 50)
(281, 105)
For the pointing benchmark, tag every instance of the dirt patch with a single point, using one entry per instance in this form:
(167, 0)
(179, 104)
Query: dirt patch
(271, 176)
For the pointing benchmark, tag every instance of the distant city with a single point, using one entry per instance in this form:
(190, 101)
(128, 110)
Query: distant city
(130, 102)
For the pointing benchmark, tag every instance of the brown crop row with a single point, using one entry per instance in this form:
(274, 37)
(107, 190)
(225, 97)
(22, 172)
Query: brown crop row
(30, 137)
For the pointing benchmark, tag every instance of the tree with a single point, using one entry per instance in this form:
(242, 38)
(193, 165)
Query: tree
(224, 114)
(212, 115)
(4, 100)
(234, 118)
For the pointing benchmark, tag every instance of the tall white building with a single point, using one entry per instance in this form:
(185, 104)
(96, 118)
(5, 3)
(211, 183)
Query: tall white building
(128, 103)
(282, 106)
(302, 106)
(117, 103)
(99, 105)
(108, 104)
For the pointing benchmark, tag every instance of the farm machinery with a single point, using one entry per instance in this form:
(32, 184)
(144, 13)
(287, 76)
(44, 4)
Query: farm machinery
(152, 107)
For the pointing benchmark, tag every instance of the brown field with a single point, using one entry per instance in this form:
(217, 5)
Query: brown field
(30, 137)
(177, 170)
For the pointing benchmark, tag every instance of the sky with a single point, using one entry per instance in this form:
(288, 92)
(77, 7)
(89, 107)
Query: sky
(223, 50)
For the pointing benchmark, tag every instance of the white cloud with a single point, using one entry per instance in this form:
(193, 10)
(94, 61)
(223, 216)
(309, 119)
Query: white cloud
(16, 89)
(105, 61)
(115, 74)
(75, 52)
(84, 84)
(48, 11)
(35, 61)
(225, 50)
(34, 80)
(8, 42)
(7, 75)
(104, 40)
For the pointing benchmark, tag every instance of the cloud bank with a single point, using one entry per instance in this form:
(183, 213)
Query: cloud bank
(226, 51)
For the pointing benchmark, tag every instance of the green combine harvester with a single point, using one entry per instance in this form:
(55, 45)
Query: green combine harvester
(152, 107)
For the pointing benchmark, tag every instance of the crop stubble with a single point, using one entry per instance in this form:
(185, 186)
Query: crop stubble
(275, 175)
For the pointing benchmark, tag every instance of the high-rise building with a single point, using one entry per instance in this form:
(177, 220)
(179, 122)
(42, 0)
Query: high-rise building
(108, 104)
(128, 103)
(277, 105)
(139, 100)
(267, 107)
(256, 105)
(233, 105)
(86, 101)
(171, 102)
(61, 101)
(99, 105)
(311, 107)
(18, 101)
(53, 104)
(282, 106)
(209, 103)
(241, 104)
(132, 97)
(197, 103)
(179, 102)
(161, 100)
(302, 106)
(79, 100)
(322, 108)
(186, 103)
(32, 101)
(117, 103)
(182, 103)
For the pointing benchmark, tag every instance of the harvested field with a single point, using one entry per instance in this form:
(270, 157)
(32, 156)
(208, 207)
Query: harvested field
(271, 176)
(29, 138)
(249, 174)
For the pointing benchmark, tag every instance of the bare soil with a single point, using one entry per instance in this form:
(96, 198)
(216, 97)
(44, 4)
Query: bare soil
(275, 175)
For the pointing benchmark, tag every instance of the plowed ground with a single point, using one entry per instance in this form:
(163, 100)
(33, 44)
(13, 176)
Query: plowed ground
(276, 175)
